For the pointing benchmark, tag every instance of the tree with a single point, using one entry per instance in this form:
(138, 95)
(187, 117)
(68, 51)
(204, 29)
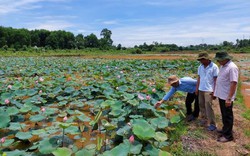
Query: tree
(91, 41)
(106, 41)
(79, 39)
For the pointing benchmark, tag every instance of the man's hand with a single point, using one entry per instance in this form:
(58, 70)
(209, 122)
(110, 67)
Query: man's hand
(228, 103)
(158, 104)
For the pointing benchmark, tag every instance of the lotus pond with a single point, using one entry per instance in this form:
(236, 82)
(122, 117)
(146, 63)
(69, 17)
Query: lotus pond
(74, 106)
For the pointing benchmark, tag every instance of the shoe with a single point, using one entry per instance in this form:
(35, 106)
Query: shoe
(223, 139)
(220, 131)
(190, 118)
(211, 128)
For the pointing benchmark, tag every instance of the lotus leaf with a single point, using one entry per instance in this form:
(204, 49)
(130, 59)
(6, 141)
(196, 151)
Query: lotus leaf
(175, 119)
(16, 126)
(48, 145)
(62, 152)
(85, 152)
(69, 90)
(161, 122)
(121, 150)
(25, 109)
(16, 153)
(133, 102)
(108, 126)
(142, 129)
(72, 130)
(159, 136)
(5, 119)
(23, 135)
(8, 142)
(36, 118)
(12, 111)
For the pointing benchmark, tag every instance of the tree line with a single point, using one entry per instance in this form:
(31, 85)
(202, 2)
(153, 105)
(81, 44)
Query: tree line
(23, 39)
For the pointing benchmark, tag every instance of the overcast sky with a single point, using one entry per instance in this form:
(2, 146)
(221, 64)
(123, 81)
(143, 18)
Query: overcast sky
(133, 22)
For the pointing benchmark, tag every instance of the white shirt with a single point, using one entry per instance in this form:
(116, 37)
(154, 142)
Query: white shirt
(207, 76)
(227, 74)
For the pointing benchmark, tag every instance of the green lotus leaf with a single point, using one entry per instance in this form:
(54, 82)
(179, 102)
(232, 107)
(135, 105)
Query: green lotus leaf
(57, 90)
(85, 152)
(48, 145)
(25, 109)
(64, 125)
(121, 150)
(159, 136)
(142, 129)
(16, 126)
(128, 96)
(5, 119)
(83, 118)
(72, 130)
(175, 119)
(38, 132)
(69, 90)
(151, 150)
(161, 122)
(12, 111)
(36, 118)
(31, 92)
(107, 125)
(20, 92)
(116, 112)
(62, 152)
(133, 102)
(8, 142)
(123, 88)
(6, 96)
(50, 111)
(62, 103)
(16, 86)
(16, 153)
(164, 153)
(24, 135)
(107, 103)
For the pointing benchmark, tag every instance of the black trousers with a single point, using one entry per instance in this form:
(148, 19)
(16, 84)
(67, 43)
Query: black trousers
(191, 97)
(227, 119)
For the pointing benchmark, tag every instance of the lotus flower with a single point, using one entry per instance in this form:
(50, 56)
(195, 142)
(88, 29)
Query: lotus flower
(140, 97)
(148, 97)
(65, 119)
(117, 88)
(36, 82)
(137, 74)
(3, 140)
(154, 90)
(121, 72)
(118, 76)
(132, 139)
(41, 79)
(7, 101)
(129, 123)
(43, 109)
(40, 91)
(9, 86)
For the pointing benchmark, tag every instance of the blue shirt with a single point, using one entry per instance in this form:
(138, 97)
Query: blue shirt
(186, 84)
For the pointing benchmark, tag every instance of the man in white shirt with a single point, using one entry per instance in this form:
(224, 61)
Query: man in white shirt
(207, 74)
(225, 90)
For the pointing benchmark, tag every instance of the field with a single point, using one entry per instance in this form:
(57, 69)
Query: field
(98, 106)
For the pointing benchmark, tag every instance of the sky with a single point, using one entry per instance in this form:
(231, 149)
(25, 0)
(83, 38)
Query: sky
(134, 22)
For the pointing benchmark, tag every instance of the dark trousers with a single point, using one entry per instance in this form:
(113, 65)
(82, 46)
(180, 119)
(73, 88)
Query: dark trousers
(191, 97)
(227, 119)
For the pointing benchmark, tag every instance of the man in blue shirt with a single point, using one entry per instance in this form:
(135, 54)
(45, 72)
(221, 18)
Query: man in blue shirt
(185, 84)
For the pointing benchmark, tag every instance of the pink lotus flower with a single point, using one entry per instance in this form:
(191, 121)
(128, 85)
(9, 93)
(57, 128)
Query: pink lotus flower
(137, 74)
(7, 101)
(43, 109)
(132, 139)
(154, 90)
(36, 82)
(140, 97)
(118, 76)
(40, 91)
(65, 119)
(121, 72)
(3, 140)
(148, 97)
(41, 79)
(9, 86)
(144, 80)
(129, 123)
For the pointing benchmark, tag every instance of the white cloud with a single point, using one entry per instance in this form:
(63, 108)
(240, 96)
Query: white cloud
(50, 25)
